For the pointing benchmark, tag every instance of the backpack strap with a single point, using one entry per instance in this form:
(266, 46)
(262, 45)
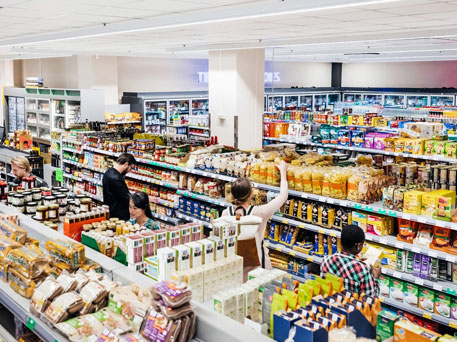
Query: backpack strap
(233, 210)
(250, 209)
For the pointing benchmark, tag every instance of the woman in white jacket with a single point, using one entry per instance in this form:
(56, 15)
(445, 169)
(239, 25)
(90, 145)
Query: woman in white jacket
(242, 192)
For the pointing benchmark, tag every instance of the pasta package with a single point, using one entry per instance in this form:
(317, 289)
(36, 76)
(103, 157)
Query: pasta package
(19, 283)
(307, 180)
(66, 251)
(13, 231)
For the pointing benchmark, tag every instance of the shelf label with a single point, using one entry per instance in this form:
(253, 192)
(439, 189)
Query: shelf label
(284, 221)
(368, 208)
(399, 245)
(344, 203)
(397, 275)
(406, 217)
(427, 315)
(419, 281)
(279, 249)
(368, 237)
(310, 259)
(321, 231)
(392, 213)
(432, 254)
(453, 324)
(416, 250)
(31, 323)
(292, 253)
(301, 225)
(333, 234)
(205, 174)
(330, 201)
(383, 241)
(437, 287)
(358, 206)
(422, 219)
(450, 258)
(382, 211)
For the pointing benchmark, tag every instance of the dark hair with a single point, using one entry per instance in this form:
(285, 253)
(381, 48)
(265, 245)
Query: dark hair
(351, 235)
(126, 158)
(141, 201)
(241, 189)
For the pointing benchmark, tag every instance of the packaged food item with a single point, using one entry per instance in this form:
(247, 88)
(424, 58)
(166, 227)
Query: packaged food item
(441, 238)
(19, 283)
(428, 147)
(360, 219)
(406, 231)
(7, 244)
(63, 305)
(172, 294)
(92, 294)
(412, 202)
(385, 326)
(411, 294)
(426, 299)
(451, 149)
(156, 327)
(67, 252)
(27, 262)
(44, 294)
(11, 230)
(405, 331)
(396, 290)
(443, 305)
(445, 205)
(439, 148)
(380, 225)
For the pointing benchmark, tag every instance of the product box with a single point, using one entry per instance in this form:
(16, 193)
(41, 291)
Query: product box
(166, 263)
(429, 202)
(151, 267)
(182, 257)
(230, 246)
(380, 225)
(426, 299)
(378, 142)
(396, 290)
(173, 237)
(184, 234)
(196, 259)
(334, 135)
(358, 138)
(196, 232)
(134, 245)
(447, 338)
(148, 243)
(405, 331)
(369, 140)
(445, 205)
(451, 149)
(408, 147)
(428, 147)
(443, 305)
(454, 308)
(411, 294)
(384, 286)
(160, 238)
(344, 137)
(439, 148)
(219, 251)
(208, 250)
(385, 326)
(412, 202)
(418, 146)
(360, 219)
(399, 145)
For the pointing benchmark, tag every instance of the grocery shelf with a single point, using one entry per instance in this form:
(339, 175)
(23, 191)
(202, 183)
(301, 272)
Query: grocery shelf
(152, 180)
(84, 166)
(200, 134)
(166, 218)
(287, 250)
(95, 197)
(122, 122)
(166, 203)
(200, 127)
(220, 201)
(420, 312)
(67, 175)
(193, 219)
(386, 240)
(5, 336)
(74, 150)
(295, 140)
(440, 286)
(54, 151)
(97, 150)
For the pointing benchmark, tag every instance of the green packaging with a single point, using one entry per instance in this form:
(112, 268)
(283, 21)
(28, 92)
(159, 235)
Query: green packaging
(433, 269)
(396, 289)
(443, 305)
(385, 326)
(426, 299)
(384, 286)
(454, 308)
(409, 262)
(401, 260)
(411, 294)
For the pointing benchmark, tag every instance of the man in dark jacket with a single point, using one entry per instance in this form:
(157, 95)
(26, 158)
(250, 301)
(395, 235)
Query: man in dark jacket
(115, 192)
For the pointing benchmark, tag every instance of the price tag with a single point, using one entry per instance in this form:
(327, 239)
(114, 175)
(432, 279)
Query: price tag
(301, 225)
(406, 217)
(392, 213)
(344, 203)
(304, 195)
(310, 259)
(427, 315)
(437, 287)
(416, 250)
(321, 231)
(432, 254)
(453, 324)
(368, 237)
(447, 224)
(450, 258)
(358, 206)
(31, 323)
(278, 248)
(399, 245)
(333, 234)
(382, 211)
(397, 275)
(419, 281)
(422, 219)
(205, 174)
(292, 253)
(193, 196)
(330, 200)
(284, 221)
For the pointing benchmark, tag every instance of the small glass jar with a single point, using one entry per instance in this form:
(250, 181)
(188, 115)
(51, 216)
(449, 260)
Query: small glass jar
(27, 196)
(41, 213)
(87, 227)
(45, 191)
(79, 197)
(56, 188)
(36, 195)
(20, 207)
(49, 200)
(18, 199)
(62, 210)
(30, 208)
(86, 205)
(54, 226)
(12, 186)
(3, 189)
(25, 183)
(53, 212)
(61, 199)
(64, 191)
(55, 193)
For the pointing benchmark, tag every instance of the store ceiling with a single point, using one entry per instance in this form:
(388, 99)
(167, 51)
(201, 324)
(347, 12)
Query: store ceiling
(299, 30)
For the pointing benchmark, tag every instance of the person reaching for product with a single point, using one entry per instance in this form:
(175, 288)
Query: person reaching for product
(357, 275)
(253, 251)
(140, 212)
(20, 166)
(115, 192)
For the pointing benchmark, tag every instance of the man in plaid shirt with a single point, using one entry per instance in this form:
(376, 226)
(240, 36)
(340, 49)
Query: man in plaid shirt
(357, 276)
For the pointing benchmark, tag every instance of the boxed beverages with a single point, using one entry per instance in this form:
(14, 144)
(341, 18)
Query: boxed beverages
(166, 263)
(173, 237)
(182, 257)
(195, 254)
(160, 238)
(219, 249)
(208, 251)
(185, 234)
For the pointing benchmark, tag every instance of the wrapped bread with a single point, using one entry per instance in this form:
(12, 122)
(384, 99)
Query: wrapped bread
(62, 306)
(44, 294)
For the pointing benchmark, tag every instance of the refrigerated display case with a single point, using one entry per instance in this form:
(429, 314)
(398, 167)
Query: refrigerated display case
(200, 106)
(394, 100)
(155, 116)
(178, 112)
(306, 102)
(12, 113)
(416, 100)
(375, 99)
(320, 102)
(352, 97)
(58, 108)
(291, 102)
(441, 100)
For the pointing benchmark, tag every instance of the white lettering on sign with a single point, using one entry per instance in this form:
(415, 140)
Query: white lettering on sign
(270, 77)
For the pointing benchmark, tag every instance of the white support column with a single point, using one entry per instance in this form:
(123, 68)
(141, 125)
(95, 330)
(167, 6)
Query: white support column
(236, 88)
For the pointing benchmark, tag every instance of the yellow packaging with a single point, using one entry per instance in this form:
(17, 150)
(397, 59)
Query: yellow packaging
(412, 202)
(19, 283)
(360, 219)
(429, 201)
(377, 122)
(439, 148)
(428, 147)
(66, 251)
(400, 145)
(380, 225)
(298, 175)
(13, 231)
(408, 147)
(406, 331)
(306, 180)
(418, 146)
(373, 256)
(7, 244)
(445, 206)
(326, 184)
(26, 262)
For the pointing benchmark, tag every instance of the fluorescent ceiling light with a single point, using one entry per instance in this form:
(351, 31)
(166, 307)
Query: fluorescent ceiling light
(88, 33)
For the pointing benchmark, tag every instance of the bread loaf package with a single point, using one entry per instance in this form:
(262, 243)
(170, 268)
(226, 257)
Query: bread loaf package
(66, 251)
(44, 294)
(13, 231)
(67, 281)
(63, 306)
(7, 244)
(27, 262)
(92, 294)
(19, 283)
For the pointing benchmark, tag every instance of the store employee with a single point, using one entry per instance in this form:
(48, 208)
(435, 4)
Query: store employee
(115, 192)
(20, 166)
